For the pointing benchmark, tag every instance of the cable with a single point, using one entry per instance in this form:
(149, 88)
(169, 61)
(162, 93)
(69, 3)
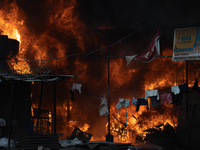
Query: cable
(72, 56)
(99, 95)
(132, 32)
(99, 48)
(46, 59)
(90, 85)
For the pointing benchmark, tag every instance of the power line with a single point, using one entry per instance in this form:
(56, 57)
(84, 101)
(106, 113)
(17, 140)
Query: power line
(132, 32)
(102, 87)
(71, 55)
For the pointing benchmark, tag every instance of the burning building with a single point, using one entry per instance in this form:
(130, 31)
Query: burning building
(56, 36)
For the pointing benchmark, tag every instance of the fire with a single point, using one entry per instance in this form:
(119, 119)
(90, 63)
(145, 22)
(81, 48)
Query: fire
(69, 119)
(65, 19)
(117, 76)
(20, 67)
(44, 122)
(32, 47)
(85, 127)
(73, 31)
(139, 121)
(50, 116)
(160, 83)
(12, 25)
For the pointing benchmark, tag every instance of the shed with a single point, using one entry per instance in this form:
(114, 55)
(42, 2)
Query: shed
(16, 101)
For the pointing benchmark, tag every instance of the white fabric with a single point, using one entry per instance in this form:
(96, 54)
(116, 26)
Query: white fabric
(65, 143)
(150, 93)
(157, 45)
(126, 118)
(2, 122)
(126, 103)
(122, 102)
(103, 108)
(119, 105)
(129, 58)
(134, 101)
(175, 90)
(4, 143)
(76, 86)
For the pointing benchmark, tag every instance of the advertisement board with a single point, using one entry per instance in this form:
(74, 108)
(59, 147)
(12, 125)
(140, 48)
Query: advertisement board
(186, 44)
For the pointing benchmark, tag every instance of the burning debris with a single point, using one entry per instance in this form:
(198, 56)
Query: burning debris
(56, 44)
(45, 125)
(83, 136)
(77, 137)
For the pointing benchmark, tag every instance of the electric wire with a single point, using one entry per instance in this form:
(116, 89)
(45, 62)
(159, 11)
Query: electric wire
(71, 55)
(133, 32)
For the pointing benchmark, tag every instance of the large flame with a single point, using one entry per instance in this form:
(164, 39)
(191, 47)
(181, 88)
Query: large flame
(73, 31)
(12, 25)
(38, 48)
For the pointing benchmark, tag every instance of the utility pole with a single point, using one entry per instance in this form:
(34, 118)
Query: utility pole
(109, 137)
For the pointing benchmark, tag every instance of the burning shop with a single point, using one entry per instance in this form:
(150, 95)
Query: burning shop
(58, 40)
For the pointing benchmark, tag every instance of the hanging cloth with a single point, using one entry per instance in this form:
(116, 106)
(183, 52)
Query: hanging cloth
(103, 108)
(130, 58)
(165, 97)
(154, 101)
(177, 98)
(142, 101)
(150, 93)
(183, 87)
(126, 118)
(122, 102)
(134, 101)
(76, 86)
(175, 90)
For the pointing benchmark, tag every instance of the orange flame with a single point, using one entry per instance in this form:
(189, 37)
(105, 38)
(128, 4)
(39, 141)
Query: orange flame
(12, 25)
(65, 20)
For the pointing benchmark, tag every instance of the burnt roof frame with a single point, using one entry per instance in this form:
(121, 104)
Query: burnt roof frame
(32, 78)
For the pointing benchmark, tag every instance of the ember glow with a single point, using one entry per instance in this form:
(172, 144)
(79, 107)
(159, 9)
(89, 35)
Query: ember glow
(140, 121)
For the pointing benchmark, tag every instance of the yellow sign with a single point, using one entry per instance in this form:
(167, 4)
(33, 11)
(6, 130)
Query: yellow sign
(186, 44)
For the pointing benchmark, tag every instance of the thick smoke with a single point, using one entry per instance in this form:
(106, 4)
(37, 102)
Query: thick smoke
(70, 27)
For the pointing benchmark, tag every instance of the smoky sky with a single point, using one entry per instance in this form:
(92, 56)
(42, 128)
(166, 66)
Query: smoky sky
(119, 13)
(127, 15)
(120, 18)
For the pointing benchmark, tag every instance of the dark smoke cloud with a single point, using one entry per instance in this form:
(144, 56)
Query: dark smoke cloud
(127, 16)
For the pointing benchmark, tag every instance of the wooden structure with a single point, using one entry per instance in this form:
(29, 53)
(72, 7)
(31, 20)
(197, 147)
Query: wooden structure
(28, 78)
(45, 123)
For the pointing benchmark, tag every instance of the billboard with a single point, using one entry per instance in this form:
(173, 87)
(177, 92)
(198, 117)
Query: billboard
(186, 44)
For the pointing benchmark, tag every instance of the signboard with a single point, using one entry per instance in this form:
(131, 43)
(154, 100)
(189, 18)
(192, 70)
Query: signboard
(186, 44)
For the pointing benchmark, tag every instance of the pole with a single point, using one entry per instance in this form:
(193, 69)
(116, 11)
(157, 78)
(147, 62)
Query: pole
(54, 107)
(40, 101)
(109, 137)
(187, 100)
(68, 117)
(187, 106)
(108, 91)
(160, 42)
(11, 115)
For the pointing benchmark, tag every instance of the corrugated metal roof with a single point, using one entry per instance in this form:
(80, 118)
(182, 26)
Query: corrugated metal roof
(33, 78)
